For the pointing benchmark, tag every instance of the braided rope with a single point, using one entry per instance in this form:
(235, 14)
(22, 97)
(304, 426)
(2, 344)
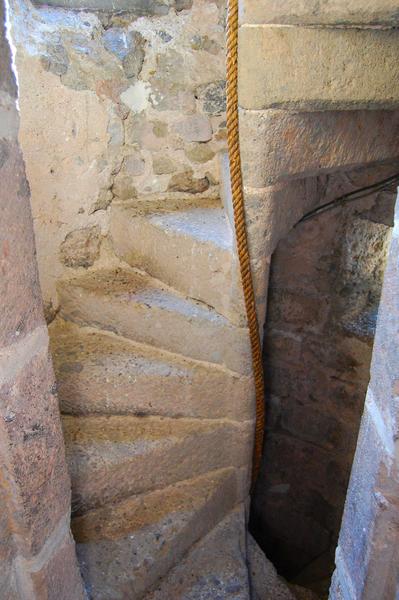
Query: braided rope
(240, 227)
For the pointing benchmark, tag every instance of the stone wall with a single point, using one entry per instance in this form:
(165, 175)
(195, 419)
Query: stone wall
(37, 553)
(318, 96)
(367, 554)
(117, 106)
(324, 289)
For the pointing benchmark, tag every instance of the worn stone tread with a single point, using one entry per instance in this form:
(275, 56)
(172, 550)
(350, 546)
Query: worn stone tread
(101, 373)
(112, 457)
(198, 241)
(139, 307)
(214, 569)
(125, 548)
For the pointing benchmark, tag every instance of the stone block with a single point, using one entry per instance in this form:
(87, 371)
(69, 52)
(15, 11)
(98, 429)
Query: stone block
(147, 453)
(56, 575)
(277, 144)
(317, 69)
(138, 7)
(98, 373)
(34, 460)
(314, 12)
(127, 548)
(19, 288)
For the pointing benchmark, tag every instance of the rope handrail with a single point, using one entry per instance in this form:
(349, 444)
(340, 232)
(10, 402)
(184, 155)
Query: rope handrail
(233, 142)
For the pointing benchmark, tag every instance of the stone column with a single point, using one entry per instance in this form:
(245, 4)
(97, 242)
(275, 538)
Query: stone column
(37, 552)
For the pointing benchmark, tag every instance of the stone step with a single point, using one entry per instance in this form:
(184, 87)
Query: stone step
(124, 549)
(191, 250)
(116, 456)
(101, 373)
(214, 568)
(134, 305)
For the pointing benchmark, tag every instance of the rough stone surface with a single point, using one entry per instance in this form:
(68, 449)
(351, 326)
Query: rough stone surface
(109, 104)
(214, 568)
(126, 548)
(97, 373)
(326, 278)
(277, 144)
(366, 558)
(34, 485)
(314, 12)
(147, 453)
(132, 304)
(81, 247)
(198, 241)
(314, 68)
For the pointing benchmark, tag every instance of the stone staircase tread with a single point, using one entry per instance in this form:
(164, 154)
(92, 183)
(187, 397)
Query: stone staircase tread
(102, 373)
(134, 305)
(215, 567)
(207, 225)
(125, 548)
(111, 457)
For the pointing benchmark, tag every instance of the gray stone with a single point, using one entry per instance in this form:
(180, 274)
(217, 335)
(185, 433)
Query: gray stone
(213, 97)
(81, 247)
(128, 46)
(137, 7)
(196, 128)
(214, 569)
(56, 59)
(163, 165)
(200, 153)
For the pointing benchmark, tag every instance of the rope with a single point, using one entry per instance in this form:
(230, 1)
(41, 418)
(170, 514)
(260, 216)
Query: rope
(240, 227)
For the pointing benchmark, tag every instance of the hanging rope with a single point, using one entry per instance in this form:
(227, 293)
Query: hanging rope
(240, 227)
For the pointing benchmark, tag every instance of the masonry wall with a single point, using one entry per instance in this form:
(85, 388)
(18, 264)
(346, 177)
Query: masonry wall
(324, 289)
(318, 96)
(37, 553)
(125, 103)
(367, 555)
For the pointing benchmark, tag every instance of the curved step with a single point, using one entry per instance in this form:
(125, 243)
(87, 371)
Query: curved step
(101, 373)
(191, 250)
(114, 457)
(124, 549)
(136, 306)
(214, 568)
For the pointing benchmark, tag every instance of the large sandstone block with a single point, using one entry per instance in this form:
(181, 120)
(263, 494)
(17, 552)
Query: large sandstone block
(191, 250)
(314, 12)
(126, 548)
(100, 373)
(317, 69)
(117, 456)
(143, 309)
(277, 144)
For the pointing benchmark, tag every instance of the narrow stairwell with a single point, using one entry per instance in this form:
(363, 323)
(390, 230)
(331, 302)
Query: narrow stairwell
(155, 385)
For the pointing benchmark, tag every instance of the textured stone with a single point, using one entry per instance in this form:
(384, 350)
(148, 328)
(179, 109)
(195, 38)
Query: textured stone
(97, 373)
(196, 128)
(200, 153)
(313, 12)
(213, 97)
(136, 7)
(132, 304)
(264, 581)
(126, 548)
(147, 453)
(334, 68)
(170, 245)
(214, 568)
(81, 248)
(31, 434)
(186, 182)
(277, 144)
(163, 165)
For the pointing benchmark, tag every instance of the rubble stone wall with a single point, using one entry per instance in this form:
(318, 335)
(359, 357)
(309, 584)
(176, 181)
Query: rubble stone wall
(116, 104)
